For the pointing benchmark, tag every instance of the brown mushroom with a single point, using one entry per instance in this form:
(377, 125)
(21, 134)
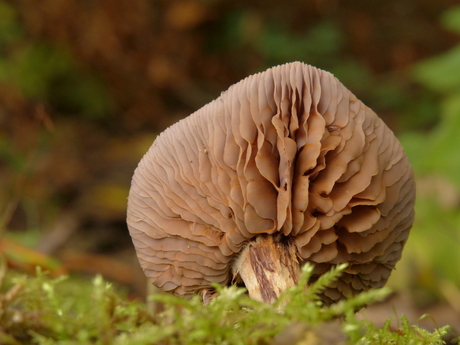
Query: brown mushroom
(285, 167)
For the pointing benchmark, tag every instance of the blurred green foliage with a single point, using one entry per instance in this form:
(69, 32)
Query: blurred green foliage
(48, 73)
(439, 152)
(319, 45)
(10, 30)
(432, 255)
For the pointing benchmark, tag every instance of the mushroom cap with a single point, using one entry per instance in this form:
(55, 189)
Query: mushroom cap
(287, 151)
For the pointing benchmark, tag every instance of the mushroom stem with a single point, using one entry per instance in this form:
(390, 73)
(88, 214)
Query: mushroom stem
(268, 265)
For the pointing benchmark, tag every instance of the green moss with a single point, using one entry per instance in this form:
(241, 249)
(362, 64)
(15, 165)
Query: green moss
(45, 310)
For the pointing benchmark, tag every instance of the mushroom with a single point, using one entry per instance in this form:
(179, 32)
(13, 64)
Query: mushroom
(285, 167)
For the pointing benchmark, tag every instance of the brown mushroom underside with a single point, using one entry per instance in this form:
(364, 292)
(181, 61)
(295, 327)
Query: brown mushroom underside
(288, 154)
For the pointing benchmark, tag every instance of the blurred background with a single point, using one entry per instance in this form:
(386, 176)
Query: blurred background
(85, 86)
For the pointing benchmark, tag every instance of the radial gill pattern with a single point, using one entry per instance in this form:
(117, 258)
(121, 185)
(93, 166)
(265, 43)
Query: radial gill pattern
(288, 151)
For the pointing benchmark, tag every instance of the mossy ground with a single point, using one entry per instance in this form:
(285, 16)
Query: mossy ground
(43, 310)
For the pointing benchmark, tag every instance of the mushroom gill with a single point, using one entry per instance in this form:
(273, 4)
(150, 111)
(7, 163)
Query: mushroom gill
(285, 167)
